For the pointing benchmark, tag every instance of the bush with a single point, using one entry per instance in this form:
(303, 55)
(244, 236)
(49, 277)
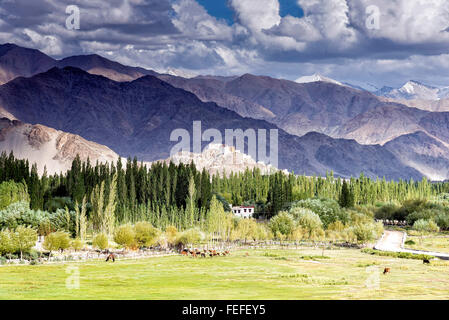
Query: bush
(387, 212)
(246, 230)
(57, 241)
(282, 224)
(425, 226)
(367, 232)
(309, 221)
(77, 244)
(100, 241)
(171, 233)
(145, 234)
(190, 236)
(328, 210)
(19, 213)
(125, 236)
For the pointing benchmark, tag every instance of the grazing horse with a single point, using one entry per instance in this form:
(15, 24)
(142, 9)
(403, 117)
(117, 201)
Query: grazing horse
(111, 256)
(426, 261)
(387, 270)
(185, 252)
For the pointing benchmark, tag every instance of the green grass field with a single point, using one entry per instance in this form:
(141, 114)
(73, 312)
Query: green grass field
(264, 274)
(434, 242)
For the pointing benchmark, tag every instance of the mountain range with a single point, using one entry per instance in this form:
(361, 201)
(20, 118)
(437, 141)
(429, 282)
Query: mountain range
(323, 125)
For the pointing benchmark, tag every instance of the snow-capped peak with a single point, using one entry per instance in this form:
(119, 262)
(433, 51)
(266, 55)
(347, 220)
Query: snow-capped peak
(180, 73)
(414, 90)
(316, 78)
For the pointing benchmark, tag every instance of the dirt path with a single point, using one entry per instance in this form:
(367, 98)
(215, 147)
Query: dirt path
(393, 241)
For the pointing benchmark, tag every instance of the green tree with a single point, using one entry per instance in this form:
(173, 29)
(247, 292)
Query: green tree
(346, 197)
(310, 222)
(282, 224)
(23, 239)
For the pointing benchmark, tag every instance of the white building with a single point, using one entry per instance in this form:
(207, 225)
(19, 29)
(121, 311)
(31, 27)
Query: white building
(245, 212)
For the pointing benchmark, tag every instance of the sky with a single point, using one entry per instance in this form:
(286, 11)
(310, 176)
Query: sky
(363, 42)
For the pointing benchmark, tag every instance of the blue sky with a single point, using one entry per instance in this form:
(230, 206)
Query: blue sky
(221, 9)
(380, 42)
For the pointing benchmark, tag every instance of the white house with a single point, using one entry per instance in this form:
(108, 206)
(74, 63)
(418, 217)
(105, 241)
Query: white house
(245, 212)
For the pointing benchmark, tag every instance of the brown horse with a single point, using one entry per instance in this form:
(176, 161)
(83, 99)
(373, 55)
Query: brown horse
(387, 270)
(111, 256)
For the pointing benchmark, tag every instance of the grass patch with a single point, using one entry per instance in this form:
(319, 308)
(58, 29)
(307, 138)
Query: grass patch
(402, 255)
(316, 257)
(432, 242)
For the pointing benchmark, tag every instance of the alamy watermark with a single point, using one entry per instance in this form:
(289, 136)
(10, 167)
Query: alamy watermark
(372, 21)
(73, 21)
(73, 280)
(256, 142)
(373, 281)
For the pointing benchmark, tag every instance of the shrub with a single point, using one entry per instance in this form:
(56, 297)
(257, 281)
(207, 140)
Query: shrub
(425, 226)
(77, 244)
(367, 232)
(190, 236)
(57, 241)
(100, 241)
(145, 234)
(328, 210)
(19, 213)
(171, 233)
(246, 230)
(387, 212)
(125, 236)
(282, 224)
(309, 221)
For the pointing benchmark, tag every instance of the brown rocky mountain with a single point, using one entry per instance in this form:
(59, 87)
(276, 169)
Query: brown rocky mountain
(16, 61)
(298, 108)
(136, 119)
(48, 147)
(441, 105)
(382, 124)
(98, 65)
(427, 154)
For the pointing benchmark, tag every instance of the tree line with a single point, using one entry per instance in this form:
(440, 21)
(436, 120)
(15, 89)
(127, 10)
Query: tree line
(180, 195)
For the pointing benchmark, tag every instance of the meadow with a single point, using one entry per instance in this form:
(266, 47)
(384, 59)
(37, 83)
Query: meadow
(246, 274)
(438, 242)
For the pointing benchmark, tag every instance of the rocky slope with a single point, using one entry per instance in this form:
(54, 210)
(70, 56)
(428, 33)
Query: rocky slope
(48, 147)
(427, 154)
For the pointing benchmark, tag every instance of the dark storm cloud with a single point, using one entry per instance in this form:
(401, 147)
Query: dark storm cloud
(180, 33)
